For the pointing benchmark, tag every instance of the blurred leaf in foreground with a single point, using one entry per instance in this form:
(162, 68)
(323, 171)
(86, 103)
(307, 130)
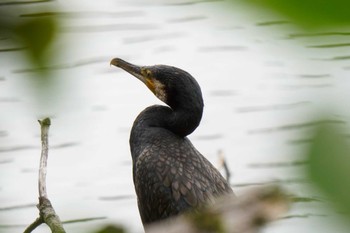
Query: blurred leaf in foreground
(309, 13)
(35, 38)
(329, 164)
(111, 229)
(36, 35)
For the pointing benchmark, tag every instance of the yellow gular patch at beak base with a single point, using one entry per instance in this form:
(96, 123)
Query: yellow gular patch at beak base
(150, 85)
(157, 88)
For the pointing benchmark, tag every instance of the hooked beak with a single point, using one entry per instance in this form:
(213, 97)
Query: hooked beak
(130, 68)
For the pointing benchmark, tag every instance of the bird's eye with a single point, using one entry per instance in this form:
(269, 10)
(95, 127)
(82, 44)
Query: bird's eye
(148, 73)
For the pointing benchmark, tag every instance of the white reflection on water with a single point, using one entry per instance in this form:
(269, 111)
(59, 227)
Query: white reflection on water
(253, 78)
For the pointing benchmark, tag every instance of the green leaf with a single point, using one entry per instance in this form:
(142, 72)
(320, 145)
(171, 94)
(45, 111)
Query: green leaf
(309, 13)
(329, 164)
(36, 36)
(111, 229)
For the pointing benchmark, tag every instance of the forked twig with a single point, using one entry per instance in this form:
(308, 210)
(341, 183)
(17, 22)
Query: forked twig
(47, 213)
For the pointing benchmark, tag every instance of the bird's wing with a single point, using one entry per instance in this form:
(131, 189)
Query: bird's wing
(170, 184)
(153, 184)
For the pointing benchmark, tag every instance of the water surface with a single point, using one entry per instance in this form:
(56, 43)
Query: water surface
(261, 78)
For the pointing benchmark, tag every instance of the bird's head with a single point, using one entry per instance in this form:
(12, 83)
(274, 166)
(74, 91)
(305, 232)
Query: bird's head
(171, 85)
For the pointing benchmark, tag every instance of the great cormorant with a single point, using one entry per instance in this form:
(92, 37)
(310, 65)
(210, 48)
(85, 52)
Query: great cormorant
(170, 175)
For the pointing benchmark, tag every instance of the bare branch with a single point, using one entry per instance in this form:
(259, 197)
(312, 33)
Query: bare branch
(49, 216)
(45, 125)
(47, 212)
(34, 225)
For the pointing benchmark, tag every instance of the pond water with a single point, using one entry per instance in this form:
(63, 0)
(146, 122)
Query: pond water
(262, 79)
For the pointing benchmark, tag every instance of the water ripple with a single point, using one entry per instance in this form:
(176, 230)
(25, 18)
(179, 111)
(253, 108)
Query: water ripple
(272, 23)
(79, 63)
(300, 35)
(340, 58)
(223, 48)
(278, 164)
(23, 2)
(299, 87)
(271, 107)
(12, 49)
(223, 93)
(209, 137)
(304, 216)
(5, 162)
(329, 45)
(295, 126)
(297, 199)
(109, 27)
(65, 145)
(187, 19)
(9, 100)
(3, 133)
(277, 181)
(314, 75)
(17, 148)
(16, 207)
(146, 38)
(29, 147)
(10, 226)
(116, 198)
(86, 14)
(187, 3)
(300, 141)
(83, 220)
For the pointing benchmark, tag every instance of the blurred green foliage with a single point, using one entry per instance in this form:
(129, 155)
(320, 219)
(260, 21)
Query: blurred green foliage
(34, 38)
(111, 229)
(329, 164)
(308, 13)
(36, 35)
(33, 35)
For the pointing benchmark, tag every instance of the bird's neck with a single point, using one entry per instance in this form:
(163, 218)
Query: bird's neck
(180, 120)
(184, 120)
(187, 110)
(158, 121)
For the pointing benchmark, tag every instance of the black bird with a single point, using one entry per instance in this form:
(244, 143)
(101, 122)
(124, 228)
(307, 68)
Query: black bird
(170, 175)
